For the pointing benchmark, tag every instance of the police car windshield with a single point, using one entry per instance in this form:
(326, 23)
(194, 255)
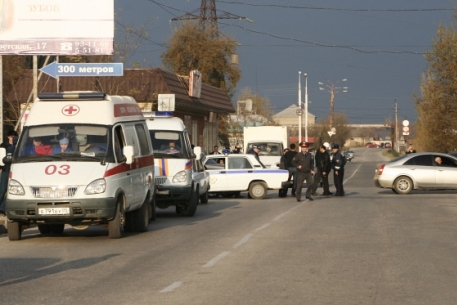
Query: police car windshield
(63, 141)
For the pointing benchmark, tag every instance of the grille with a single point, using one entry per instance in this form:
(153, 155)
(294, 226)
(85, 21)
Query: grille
(53, 192)
(160, 180)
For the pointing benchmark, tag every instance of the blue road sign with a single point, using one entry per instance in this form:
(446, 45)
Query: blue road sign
(93, 69)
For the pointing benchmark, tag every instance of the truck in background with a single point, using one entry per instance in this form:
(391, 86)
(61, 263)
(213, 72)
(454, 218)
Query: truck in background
(272, 140)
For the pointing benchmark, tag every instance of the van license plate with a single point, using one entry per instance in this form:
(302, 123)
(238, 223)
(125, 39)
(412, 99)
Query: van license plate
(54, 211)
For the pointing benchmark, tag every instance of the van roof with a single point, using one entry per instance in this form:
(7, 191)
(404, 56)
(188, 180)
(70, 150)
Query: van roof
(83, 107)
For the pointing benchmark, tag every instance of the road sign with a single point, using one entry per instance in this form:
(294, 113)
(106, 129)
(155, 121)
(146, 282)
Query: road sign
(405, 123)
(405, 128)
(93, 69)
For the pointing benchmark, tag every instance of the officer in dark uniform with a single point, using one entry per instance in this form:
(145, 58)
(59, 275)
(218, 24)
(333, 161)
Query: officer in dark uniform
(338, 162)
(305, 170)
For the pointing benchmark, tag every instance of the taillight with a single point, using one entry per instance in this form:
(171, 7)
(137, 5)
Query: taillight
(381, 169)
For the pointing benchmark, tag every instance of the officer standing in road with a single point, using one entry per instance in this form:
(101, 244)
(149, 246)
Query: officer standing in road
(288, 156)
(305, 171)
(338, 162)
(323, 167)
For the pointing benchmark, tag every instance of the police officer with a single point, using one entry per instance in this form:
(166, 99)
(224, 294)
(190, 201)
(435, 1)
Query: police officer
(338, 162)
(255, 151)
(303, 161)
(9, 145)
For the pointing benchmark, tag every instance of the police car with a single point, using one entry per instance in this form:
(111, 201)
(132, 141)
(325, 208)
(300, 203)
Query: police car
(230, 174)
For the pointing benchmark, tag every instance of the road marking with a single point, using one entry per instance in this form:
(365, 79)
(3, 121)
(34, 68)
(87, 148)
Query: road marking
(216, 259)
(243, 240)
(171, 287)
(262, 227)
(287, 212)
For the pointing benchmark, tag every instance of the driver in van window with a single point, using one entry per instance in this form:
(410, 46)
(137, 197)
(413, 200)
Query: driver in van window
(64, 146)
(170, 147)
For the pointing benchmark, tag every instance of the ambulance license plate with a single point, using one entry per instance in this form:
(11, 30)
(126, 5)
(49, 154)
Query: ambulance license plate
(54, 211)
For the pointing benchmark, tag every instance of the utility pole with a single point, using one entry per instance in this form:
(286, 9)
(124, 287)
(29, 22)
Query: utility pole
(397, 148)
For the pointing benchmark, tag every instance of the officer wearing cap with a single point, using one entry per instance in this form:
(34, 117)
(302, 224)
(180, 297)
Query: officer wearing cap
(338, 162)
(305, 170)
(255, 151)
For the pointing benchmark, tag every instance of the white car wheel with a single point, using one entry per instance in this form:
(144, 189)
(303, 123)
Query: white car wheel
(403, 185)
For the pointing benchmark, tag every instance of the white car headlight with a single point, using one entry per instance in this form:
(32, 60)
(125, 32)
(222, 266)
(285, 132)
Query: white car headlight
(15, 188)
(96, 187)
(180, 177)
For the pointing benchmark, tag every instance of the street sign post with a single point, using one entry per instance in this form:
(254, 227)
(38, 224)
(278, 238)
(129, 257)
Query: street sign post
(56, 69)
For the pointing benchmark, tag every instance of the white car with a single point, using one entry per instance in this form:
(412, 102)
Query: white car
(231, 174)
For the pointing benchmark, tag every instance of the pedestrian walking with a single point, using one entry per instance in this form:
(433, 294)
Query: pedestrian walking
(305, 171)
(323, 167)
(338, 163)
(291, 168)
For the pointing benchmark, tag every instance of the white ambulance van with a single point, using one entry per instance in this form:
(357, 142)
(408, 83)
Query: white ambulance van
(83, 158)
(174, 163)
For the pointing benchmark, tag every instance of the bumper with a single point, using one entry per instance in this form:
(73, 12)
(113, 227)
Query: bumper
(382, 182)
(169, 194)
(80, 211)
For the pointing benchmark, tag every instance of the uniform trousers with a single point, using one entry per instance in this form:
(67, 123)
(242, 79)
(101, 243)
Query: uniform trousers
(317, 178)
(301, 177)
(338, 181)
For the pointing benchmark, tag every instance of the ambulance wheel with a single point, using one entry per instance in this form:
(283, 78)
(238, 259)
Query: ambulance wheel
(57, 229)
(44, 229)
(204, 198)
(258, 190)
(152, 209)
(14, 230)
(129, 225)
(191, 207)
(142, 217)
(115, 225)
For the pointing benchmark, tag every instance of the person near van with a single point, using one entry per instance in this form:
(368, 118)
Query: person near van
(215, 151)
(338, 163)
(323, 167)
(304, 163)
(64, 146)
(9, 146)
(292, 169)
(255, 151)
(410, 149)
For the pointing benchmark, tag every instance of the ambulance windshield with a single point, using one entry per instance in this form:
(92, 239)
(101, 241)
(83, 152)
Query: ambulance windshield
(168, 144)
(63, 141)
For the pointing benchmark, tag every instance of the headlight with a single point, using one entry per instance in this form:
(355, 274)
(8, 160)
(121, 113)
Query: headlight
(96, 187)
(15, 188)
(180, 177)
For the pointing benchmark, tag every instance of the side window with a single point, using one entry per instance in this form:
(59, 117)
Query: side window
(119, 144)
(142, 137)
(448, 162)
(238, 163)
(425, 160)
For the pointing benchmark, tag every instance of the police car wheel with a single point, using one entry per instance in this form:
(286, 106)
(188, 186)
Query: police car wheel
(258, 190)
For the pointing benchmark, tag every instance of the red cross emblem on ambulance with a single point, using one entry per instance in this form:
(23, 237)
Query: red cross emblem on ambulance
(70, 110)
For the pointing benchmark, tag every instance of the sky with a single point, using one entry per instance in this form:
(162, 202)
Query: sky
(377, 46)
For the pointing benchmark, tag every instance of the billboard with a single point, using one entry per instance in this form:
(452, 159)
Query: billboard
(56, 27)
(195, 83)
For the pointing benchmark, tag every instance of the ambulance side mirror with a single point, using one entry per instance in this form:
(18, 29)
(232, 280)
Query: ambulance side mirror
(198, 152)
(2, 155)
(129, 154)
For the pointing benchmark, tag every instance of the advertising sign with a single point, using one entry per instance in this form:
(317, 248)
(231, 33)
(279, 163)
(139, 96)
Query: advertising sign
(56, 27)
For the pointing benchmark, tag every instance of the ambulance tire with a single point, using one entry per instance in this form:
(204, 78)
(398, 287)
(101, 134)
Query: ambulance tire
(204, 198)
(152, 209)
(129, 225)
(115, 225)
(142, 217)
(191, 207)
(44, 229)
(14, 230)
(57, 228)
(258, 190)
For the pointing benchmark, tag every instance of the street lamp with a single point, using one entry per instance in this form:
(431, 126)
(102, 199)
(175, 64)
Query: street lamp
(306, 106)
(299, 111)
(333, 89)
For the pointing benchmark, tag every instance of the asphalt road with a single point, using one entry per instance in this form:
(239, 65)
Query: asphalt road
(369, 247)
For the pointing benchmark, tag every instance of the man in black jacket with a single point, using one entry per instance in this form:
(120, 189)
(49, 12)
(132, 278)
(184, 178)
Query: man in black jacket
(288, 156)
(338, 163)
(305, 170)
(323, 167)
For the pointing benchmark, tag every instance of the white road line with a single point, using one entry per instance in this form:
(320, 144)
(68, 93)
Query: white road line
(288, 211)
(243, 240)
(262, 227)
(216, 259)
(171, 287)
